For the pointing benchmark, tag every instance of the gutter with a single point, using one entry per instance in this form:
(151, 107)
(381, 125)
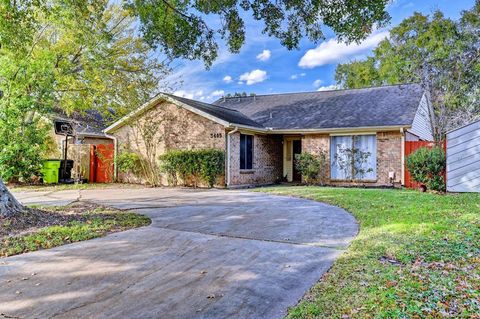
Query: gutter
(228, 154)
(270, 130)
(340, 130)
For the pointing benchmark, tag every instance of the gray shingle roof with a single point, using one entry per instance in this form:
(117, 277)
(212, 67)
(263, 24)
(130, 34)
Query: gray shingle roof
(377, 106)
(88, 123)
(220, 112)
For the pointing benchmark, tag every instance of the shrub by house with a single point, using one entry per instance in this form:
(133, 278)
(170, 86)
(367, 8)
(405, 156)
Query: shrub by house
(193, 167)
(427, 167)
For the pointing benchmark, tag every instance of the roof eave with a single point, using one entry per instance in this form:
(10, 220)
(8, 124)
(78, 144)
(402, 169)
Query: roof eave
(121, 122)
(324, 130)
(167, 98)
(97, 135)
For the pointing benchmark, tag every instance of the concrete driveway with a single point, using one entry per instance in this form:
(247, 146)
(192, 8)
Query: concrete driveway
(207, 254)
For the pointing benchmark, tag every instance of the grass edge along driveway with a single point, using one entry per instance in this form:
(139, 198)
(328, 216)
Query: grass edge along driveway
(85, 222)
(417, 255)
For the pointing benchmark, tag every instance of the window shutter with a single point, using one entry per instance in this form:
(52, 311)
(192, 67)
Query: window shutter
(242, 151)
(249, 155)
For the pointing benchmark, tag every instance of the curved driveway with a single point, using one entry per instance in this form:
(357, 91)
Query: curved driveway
(207, 254)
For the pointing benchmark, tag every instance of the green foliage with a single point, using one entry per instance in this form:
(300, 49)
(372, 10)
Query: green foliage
(180, 29)
(204, 164)
(128, 162)
(212, 165)
(416, 255)
(427, 166)
(439, 53)
(358, 74)
(21, 155)
(65, 57)
(310, 165)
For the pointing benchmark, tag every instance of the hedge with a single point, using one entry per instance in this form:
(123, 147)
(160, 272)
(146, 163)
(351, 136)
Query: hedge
(204, 165)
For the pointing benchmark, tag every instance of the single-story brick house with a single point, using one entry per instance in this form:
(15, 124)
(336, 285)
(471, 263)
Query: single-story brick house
(262, 134)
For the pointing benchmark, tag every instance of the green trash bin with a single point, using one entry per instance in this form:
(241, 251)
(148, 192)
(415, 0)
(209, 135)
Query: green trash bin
(50, 171)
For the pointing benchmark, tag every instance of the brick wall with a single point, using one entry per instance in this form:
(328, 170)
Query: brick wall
(318, 144)
(267, 160)
(389, 157)
(167, 127)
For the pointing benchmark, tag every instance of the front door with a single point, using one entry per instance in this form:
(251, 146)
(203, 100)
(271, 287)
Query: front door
(297, 149)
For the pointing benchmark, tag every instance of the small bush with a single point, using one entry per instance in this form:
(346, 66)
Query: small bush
(198, 165)
(426, 166)
(309, 165)
(129, 162)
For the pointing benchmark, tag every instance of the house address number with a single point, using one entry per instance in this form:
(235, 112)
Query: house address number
(215, 135)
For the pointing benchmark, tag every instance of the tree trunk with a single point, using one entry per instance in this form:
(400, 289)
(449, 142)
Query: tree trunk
(8, 204)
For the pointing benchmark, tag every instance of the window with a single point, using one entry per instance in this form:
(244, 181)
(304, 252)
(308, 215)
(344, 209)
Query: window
(246, 151)
(353, 157)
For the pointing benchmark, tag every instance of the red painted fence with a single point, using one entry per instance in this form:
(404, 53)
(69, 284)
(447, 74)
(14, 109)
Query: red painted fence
(101, 163)
(411, 147)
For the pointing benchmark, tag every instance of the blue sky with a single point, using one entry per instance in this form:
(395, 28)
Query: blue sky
(263, 66)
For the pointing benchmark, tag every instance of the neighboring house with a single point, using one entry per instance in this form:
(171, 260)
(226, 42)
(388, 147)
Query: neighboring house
(262, 134)
(88, 131)
(463, 159)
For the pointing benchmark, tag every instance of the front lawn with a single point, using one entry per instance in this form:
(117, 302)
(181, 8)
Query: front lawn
(40, 228)
(417, 255)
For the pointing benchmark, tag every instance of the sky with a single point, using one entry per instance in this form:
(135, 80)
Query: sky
(264, 66)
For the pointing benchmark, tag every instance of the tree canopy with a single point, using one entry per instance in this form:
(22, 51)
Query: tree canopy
(67, 56)
(189, 28)
(440, 53)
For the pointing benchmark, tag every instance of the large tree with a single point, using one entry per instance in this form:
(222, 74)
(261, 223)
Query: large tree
(441, 54)
(191, 28)
(67, 55)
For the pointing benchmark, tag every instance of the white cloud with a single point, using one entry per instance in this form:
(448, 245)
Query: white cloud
(240, 82)
(198, 94)
(255, 76)
(332, 51)
(183, 93)
(264, 56)
(227, 79)
(328, 88)
(296, 76)
(217, 93)
(317, 83)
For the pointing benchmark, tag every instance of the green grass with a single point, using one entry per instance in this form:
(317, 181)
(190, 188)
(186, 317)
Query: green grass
(97, 223)
(417, 255)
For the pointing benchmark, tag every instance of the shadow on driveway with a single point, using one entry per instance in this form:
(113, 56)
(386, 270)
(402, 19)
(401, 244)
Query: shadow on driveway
(208, 254)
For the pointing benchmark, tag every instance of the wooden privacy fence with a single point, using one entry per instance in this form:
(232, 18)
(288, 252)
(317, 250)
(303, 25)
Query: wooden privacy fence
(101, 163)
(410, 147)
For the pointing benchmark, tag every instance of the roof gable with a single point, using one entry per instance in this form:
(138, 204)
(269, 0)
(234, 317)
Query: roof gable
(218, 114)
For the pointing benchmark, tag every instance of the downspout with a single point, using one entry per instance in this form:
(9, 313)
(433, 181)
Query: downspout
(228, 153)
(402, 178)
(115, 154)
